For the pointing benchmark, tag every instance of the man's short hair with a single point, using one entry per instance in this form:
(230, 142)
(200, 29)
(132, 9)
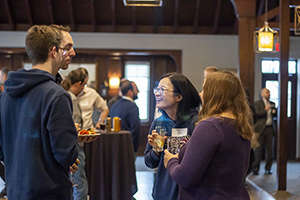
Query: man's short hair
(126, 86)
(41, 39)
(211, 69)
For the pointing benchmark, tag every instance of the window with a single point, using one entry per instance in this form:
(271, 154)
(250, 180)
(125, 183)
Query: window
(270, 70)
(139, 72)
(272, 66)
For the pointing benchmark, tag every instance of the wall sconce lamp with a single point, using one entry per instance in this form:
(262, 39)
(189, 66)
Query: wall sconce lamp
(142, 2)
(114, 81)
(266, 39)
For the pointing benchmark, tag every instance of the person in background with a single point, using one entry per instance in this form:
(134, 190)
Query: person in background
(3, 76)
(254, 142)
(96, 112)
(74, 84)
(214, 162)
(92, 85)
(88, 100)
(36, 149)
(178, 100)
(265, 111)
(208, 70)
(127, 110)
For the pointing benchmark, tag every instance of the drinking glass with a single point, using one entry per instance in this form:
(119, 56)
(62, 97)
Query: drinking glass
(177, 140)
(103, 125)
(158, 140)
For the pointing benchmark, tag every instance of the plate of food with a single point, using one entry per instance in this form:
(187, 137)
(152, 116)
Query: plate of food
(89, 132)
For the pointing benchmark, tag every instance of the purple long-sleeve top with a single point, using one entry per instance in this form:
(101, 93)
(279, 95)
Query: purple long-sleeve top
(213, 164)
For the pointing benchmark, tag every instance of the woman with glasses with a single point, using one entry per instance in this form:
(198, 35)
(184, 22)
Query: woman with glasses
(214, 162)
(178, 101)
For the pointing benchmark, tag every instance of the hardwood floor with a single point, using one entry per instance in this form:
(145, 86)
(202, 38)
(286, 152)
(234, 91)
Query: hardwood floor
(261, 187)
(145, 182)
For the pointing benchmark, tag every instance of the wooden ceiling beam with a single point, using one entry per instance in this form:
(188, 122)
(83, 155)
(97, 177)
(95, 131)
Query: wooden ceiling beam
(50, 10)
(10, 21)
(271, 14)
(113, 15)
(294, 3)
(175, 24)
(149, 28)
(275, 25)
(260, 9)
(27, 7)
(72, 20)
(196, 18)
(133, 19)
(217, 17)
(156, 19)
(93, 18)
(245, 8)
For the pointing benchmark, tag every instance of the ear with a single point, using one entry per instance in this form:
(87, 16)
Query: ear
(53, 52)
(77, 84)
(130, 93)
(178, 97)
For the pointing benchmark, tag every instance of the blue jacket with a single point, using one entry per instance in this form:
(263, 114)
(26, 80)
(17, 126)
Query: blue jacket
(130, 120)
(164, 187)
(37, 136)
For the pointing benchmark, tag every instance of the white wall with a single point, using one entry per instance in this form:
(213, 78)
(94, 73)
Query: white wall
(198, 51)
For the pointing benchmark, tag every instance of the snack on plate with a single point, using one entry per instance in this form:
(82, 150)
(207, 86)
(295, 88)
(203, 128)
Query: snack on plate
(87, 132)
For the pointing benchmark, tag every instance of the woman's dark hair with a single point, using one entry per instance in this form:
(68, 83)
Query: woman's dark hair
(190, 97)
(73, 77)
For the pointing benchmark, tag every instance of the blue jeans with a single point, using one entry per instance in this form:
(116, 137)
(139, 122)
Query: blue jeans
(80, 192)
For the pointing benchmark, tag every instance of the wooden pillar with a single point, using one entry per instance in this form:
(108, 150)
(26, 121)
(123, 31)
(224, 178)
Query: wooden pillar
(284, 22)
(245, 10)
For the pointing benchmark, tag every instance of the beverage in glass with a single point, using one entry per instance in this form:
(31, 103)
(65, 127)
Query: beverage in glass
(158, 140)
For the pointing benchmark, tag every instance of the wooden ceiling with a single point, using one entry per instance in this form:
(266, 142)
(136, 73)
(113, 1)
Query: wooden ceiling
(174, 17)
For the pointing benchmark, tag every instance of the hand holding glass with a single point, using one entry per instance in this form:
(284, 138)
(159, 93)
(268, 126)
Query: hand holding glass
(159, 138)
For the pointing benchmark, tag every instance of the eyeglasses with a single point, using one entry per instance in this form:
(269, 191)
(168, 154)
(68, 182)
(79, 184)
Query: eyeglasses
(65, 50)
(161, 90)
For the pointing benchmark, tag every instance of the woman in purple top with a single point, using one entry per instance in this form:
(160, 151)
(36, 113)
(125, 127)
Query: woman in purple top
(213, 164)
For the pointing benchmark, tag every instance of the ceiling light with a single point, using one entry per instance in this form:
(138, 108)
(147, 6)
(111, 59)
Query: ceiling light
(143, 2)
(265, 38)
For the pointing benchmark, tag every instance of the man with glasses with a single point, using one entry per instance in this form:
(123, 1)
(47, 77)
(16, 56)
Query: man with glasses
(38, 138)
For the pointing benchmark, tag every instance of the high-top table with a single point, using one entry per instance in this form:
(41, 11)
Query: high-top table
(110, 167)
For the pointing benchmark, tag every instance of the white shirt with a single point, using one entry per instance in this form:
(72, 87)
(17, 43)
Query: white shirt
(89, 99)
(128, 98)
(269, 114)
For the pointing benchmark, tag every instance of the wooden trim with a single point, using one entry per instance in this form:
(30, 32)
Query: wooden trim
(283, 84)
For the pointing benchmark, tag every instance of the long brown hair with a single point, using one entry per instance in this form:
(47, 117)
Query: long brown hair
(223, 92)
